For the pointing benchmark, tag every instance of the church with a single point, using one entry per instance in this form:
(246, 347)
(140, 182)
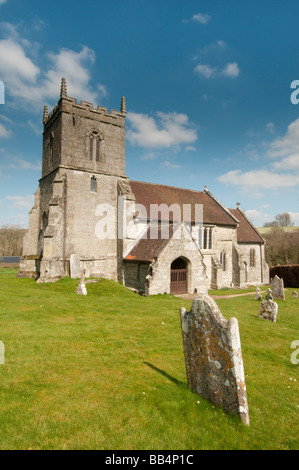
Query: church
(153, 238)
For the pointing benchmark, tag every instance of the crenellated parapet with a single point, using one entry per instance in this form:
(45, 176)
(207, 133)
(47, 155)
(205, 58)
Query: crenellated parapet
(83, 108)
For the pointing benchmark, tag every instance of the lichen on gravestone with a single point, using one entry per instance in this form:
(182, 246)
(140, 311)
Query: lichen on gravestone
(213, 358)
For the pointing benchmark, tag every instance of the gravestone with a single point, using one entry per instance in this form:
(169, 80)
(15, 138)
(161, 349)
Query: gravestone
(269, 295)
(258, 294)
(277, 287)
(213, 357)
(268, 310)
(295, 294)
(81, 289)
(75, 271)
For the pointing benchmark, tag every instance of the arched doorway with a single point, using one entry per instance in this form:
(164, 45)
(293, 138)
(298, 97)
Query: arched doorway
(178, 276)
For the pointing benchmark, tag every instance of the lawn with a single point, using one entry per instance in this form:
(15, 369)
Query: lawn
(107, 371)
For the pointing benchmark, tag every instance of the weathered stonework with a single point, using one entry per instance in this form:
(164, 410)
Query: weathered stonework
(213, 356)
(295, 294)
(277, 286)
(268, 310)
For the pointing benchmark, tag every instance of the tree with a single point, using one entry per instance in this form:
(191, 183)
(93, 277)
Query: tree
(284, 219)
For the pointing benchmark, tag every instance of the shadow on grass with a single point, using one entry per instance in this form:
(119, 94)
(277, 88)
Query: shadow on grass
(169, 377)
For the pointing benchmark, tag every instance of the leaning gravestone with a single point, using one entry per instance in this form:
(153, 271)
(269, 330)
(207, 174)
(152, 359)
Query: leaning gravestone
(277, 287)
(213, 357)
(295, 294)
(75, 271)
(268, 310)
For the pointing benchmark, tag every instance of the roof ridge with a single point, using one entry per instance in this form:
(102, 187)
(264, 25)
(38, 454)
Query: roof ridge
(167, 186)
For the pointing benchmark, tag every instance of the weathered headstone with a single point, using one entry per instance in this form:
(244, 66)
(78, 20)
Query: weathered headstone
(258, 294)
(213, 357)
(277, 287)
(81, 289)
(295, 294)
(269, 295)
(75, 271)
(268, 310)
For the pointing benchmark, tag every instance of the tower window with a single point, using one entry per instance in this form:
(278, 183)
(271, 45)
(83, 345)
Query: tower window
(98, 143)
(91, 148)
(95, 147)
(93, 184)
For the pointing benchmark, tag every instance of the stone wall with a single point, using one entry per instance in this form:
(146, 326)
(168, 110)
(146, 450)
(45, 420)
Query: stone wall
(180, 245)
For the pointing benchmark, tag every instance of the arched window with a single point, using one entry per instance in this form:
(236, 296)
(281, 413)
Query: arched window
(223, 260)
(252, 258)
(95, 146)
(51, 148)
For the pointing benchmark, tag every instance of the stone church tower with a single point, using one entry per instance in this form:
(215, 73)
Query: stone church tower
(83, 165)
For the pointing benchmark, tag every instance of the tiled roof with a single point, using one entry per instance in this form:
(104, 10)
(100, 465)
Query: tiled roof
(246, 232)
(147, 248)
(213, 211)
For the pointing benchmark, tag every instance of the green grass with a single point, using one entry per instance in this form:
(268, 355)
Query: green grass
(107, 371)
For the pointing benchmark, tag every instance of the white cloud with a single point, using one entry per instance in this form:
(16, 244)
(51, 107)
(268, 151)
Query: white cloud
(289, 144)
(294, 217)
(171, 165)
(231, 70)
(202, 18)
(270, 127)
(26, 81)
(26, 202)
(262, 178)
(2, 2)
(288, 163)
(257, 217)
(4, 133)
(21, 164)
(205, 71)
(164, 131)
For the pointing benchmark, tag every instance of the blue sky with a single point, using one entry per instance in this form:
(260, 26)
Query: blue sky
(207, 86)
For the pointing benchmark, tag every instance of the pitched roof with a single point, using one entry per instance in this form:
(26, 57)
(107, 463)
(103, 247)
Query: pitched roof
(246, 232)
(213, 211)
(147, 248)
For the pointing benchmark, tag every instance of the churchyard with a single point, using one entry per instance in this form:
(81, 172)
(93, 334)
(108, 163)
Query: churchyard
(106, 370)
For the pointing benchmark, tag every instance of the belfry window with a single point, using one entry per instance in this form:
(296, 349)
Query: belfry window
(91, 147)
(94, 146)
(51, 148)
(98, 143)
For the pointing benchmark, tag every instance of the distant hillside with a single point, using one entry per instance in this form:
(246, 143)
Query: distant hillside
(263, 230)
